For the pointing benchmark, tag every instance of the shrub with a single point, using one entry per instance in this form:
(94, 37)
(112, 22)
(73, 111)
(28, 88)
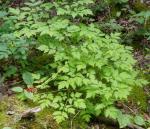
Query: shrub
(88, 75)
(89, 71)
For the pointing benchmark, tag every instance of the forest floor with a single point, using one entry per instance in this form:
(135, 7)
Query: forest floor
(11, 108)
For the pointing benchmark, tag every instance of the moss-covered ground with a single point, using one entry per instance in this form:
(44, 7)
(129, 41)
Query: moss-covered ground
(11, 109)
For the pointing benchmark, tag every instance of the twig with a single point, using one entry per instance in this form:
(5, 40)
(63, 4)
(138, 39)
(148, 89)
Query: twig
(133, 126)
(129, 108)
(73, 119)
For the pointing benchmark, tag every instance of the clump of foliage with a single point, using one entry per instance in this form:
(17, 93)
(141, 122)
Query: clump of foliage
(12, 47)
(89, 70)
(143, 18)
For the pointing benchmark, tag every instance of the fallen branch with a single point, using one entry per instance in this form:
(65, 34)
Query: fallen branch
(30, 112)
(133, 126)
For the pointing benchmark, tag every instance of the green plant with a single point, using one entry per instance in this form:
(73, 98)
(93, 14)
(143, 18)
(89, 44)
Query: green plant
(12, 47)
(90, 77)
(89, 70)
(143, 17)
(111, 26)
(27, 93)
(38, 17)
(23, 94)
(74, 8)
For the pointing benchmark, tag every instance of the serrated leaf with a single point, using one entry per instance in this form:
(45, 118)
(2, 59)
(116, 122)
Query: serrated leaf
(111, 112)
(86, 117)
(123, 120)
(56, 113)
(14, 11)
(73, 28)
(59, 118)
(99, 107)
(43, 48)
(71, 110)
(80, 103)
(62, 85)
(139, 120)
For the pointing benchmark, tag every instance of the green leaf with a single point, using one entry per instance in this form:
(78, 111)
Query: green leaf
(11, 70)
(60, 116)
(111, 112)
(43, 48)
(124, 120)
(7, 128)
(3, 14)
(61, 11)
(26, 8)
(27, 77)
(99, 107)
(14, 11)
(29, 95)
(86, 117)
(73, 28)
(64, 114)
(81, 66)
(17, 89)
(36, 76)
(59, 119)
(139, 120)
(80, 103)
(55, 105)
(57, 113)
(62, 85)
(71, 110)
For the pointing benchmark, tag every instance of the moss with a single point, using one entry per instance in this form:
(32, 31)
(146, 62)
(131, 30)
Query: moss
(4, 121)
(9, 104)
(114, 11)
(138, 6)
(3, 106)
(42, 120)
(45, 118)
(139, 97)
